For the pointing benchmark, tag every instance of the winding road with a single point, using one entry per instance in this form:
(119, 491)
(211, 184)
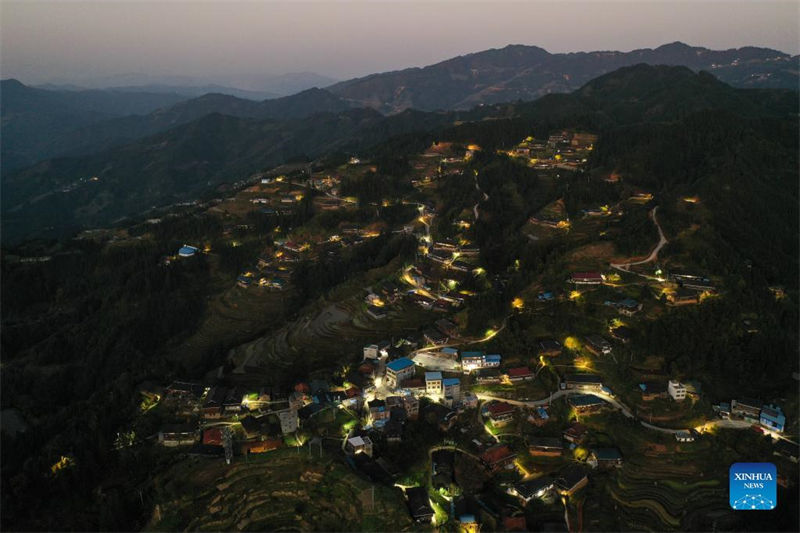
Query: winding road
(733, 424)
(662, 240)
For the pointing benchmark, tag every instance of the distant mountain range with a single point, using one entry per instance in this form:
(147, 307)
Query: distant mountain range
(39, 124)
(519, 72)
(32, 117)
(186, 160)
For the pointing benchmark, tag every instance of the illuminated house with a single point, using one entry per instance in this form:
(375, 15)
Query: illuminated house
(535, 488)
(398, 370)
(451, 388)
(433, 383)
(676, 390)
(498, 457)
(598, 345)
(605, 458)
(501, 413)
(545, 446)
(746, 408)
(582, 381)
(586, 278)
(359, 445)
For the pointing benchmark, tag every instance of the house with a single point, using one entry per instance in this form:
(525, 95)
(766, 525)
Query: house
(535, 488)
(377, 410)
(586, 278)
(746, 408)
(550, 348)
(212, 408)
(653, 390)
(545, 296)
(371, 351)
(539, 416)
(177, 435)
(187, 251)
(500, 413)
(446, 327)
(498, 457)
(605, 458)
(676, 390)
(289, 420)
(398, 370)
(575, 433)
(471, 361)
(419, 504)
(586, 403)
(772, 418)
(184, 390)
(434, 336)
(433, 383)
(260, 446)
(522, 373)
(469, 400)
(598, 345)
(359, 445)
(545, 446)
(451, 388)
(450, 353)
(414, 386)
(582, 381)
(628, 307)
(488, 375)
(684, 436)
(683, 296)
(571, 480)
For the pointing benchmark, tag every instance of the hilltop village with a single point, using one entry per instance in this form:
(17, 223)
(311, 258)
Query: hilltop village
(435, 396)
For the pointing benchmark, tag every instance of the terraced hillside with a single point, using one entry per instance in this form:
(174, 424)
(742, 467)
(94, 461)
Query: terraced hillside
(281, 491)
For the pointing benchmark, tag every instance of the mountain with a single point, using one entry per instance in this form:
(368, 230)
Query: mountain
(31, 118)
(193, 91)
(183, 162)
(101, 134)
(519, 72)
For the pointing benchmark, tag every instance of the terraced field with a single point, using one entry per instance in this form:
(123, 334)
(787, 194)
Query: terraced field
(280, 491)
(330, 333)
(671, 494)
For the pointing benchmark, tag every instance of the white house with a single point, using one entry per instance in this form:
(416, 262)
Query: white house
(676, 390)
(288, 419)
(359, 445)
(433, 383)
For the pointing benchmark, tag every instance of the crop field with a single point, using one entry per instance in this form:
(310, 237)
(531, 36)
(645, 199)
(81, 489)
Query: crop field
(280, 491)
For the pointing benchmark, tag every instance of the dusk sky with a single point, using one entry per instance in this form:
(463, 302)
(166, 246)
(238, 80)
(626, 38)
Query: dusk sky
(222, 41)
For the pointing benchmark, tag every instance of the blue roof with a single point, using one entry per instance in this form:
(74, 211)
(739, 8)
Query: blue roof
(400, 364)
(430, 376)
(450, 350)
(187, 250)
(471, 354)
(493, 358)
(447, 382)
(542, 413)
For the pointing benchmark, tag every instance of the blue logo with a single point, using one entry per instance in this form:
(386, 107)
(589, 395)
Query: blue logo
(753, 486)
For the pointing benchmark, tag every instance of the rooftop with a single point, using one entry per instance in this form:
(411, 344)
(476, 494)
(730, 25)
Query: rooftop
(400, 364)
